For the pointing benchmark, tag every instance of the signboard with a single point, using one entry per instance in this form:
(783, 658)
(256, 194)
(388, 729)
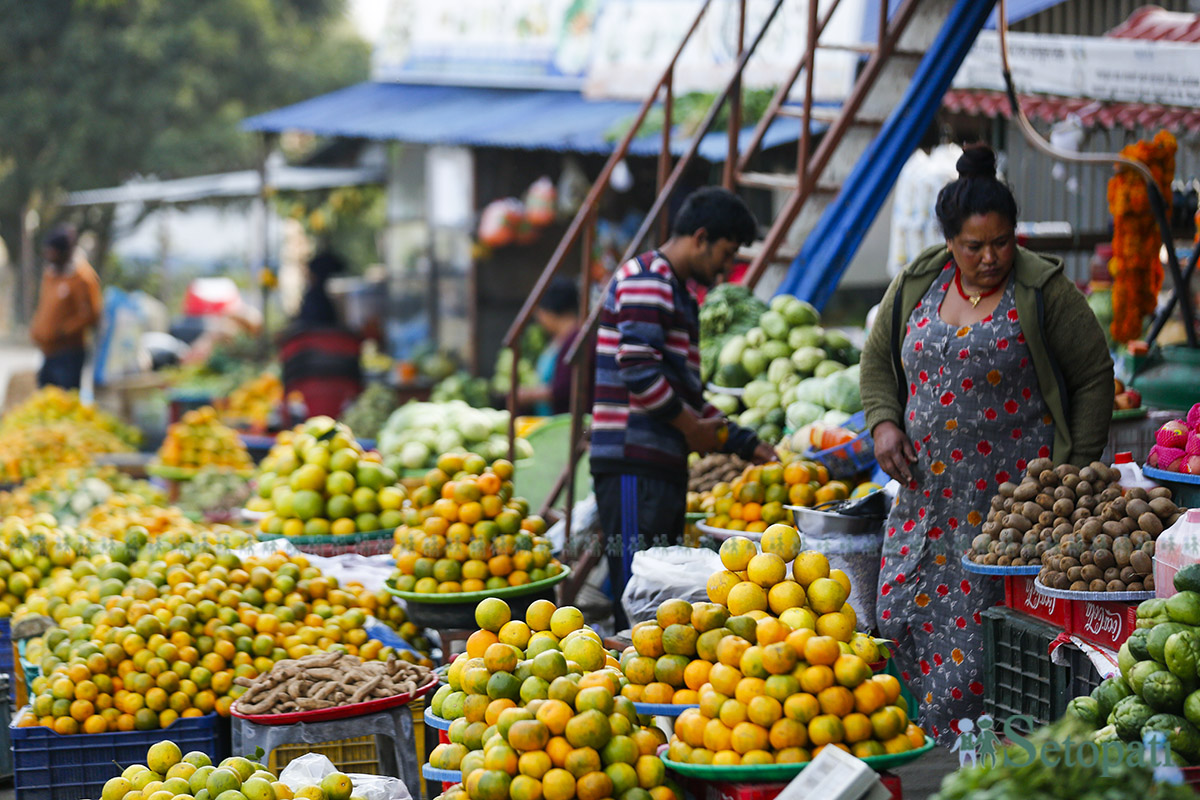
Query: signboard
(1123, 70)
(614, 49)
(635, 39)
(541, 43)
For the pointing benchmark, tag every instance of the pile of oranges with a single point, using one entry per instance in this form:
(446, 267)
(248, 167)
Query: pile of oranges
(199, 439)
(318, 481)
(756, 499)
(537, 714)
(53, 406)
(773, 664)
(143, 644)
(252, 403)
(465, 532)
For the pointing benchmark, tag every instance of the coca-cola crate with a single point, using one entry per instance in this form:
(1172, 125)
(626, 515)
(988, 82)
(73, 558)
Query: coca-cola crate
(1021, 596)
(1107, 623)
(1018, 676)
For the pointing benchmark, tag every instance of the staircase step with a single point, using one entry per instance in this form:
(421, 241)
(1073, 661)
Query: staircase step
(869, 49)
(781, 181)
(829, 115)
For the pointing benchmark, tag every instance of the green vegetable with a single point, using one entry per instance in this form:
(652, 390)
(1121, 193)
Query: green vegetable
(774, 325)
(1182, 653)
(1140, 672)
(732, 351)
(756, 337)
(1138, 642)
(1154, 607)
(1163, 691)
(1110, 692)
(827, 368)
(1086, 710)
(1157, 641)
(755, 390)
(1129, 716)
(1191, 708)
(842, 393)
(1184, 607)
(1181, 734)
(773, 349)
(1125, 658)
(779, 369)
(836, 340)
(811, 390)
(769, 401)
(802, 413)
(1188, 579)
(733, 376)
(726, 403)
(754, 362)
(772, 434)
(809, 336)
(798, 312)
(807, 358)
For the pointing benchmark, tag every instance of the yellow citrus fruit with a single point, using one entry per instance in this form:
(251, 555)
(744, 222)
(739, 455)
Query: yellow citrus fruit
(736, 554)
(719, 585)
(745, 597)
(767, 569)
(781, 540)
(785, 595)
(826, 595)
(809, 566)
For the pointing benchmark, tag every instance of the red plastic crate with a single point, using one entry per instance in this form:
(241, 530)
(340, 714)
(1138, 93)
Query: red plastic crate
(1106, 623)
(1020, 595)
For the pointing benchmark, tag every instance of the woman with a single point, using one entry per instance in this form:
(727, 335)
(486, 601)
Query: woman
(983, 356)
(558, 314)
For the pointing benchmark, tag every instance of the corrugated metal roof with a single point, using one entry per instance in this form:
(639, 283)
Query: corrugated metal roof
(227, 184)
(483, 117)
(1158, 24)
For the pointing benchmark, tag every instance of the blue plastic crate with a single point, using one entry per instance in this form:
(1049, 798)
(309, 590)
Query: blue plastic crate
(48, 766)
(853, 457)
(6, 646)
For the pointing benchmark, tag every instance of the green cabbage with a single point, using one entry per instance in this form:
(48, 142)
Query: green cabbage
(802, 413)
(842, 393)
(807, 358)
(827, 368)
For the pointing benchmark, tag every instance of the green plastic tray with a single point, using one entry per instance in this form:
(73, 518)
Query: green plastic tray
(1129, 413)
(766, 773)
(472, 597)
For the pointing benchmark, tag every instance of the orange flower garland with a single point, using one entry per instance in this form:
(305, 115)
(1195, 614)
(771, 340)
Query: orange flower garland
(1135, 265)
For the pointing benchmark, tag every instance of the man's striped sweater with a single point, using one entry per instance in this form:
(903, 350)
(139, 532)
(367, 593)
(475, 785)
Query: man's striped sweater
(647, 371)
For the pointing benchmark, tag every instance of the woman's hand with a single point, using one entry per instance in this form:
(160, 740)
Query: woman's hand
(894, 451)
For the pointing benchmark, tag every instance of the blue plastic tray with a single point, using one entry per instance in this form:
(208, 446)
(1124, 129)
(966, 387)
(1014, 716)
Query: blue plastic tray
(662, 709)
(50, 766)
(436, 722)
(987, 569)
(443, 775)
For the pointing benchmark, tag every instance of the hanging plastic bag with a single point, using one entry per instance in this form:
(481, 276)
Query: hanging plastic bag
(661, 573)
(499, 222)
(310, 769)
(540, 200)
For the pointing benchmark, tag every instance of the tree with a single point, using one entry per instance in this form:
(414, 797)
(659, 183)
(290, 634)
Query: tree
(94, 92)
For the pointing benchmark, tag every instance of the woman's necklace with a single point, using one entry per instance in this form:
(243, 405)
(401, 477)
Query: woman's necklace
(973, 299)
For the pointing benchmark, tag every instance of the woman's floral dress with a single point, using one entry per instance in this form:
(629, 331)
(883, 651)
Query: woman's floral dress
(975, 416)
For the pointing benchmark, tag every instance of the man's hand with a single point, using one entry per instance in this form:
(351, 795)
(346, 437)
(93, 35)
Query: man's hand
(764, 454)
(702, 435)
(894, 451)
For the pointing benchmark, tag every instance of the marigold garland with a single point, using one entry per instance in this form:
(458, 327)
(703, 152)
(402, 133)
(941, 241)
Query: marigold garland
(1135, 265)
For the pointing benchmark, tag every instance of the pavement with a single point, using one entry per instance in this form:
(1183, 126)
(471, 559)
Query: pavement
(16, 357)
(920, 779)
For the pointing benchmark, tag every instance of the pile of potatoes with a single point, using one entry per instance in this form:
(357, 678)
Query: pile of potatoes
(1085, 531)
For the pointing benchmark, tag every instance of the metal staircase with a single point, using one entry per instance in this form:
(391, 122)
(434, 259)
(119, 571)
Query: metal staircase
(824, 207)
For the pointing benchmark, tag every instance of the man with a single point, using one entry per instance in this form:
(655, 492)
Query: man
(68, 308)
(649, 411)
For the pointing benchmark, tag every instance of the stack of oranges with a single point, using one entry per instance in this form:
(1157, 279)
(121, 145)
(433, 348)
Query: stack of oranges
(144, 644)
(538, 714)
(200, 440)
(318, 481)
(757, 499)
(671, 655)
(465, 532)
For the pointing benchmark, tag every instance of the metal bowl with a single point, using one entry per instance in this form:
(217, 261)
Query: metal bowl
(817, 521)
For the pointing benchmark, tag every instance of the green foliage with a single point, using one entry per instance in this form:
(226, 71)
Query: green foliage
(346, 218)
(93, 92)
(688, 110)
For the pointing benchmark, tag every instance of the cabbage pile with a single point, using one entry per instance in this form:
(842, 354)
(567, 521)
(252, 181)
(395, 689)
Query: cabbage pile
(793, 372)
(417, 433)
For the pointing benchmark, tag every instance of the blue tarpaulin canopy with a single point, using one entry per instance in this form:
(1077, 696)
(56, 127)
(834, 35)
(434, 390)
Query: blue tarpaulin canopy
(488, 117)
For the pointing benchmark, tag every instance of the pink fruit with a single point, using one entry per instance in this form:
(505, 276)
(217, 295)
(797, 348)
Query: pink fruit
(1173, 434)
(1193, 445)
(1193, 417)
(1191, 465)
(1168, 458)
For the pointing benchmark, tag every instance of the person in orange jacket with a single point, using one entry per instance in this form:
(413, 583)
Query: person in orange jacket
(68, 308)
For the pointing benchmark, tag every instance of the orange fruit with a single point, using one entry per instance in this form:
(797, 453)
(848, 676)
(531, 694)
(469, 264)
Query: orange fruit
(825, 729)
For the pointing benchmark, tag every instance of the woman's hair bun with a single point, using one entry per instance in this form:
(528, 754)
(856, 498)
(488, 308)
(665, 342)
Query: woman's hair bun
(977, 161)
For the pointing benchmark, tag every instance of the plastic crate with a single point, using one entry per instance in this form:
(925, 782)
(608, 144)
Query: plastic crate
(360, 754)
(855, 456)
(1082, 673)
(1020, 595)
(6, 753)
(1018, 676)
(6, 646)
(48, 766)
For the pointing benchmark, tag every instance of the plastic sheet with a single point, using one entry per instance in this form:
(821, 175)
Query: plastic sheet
(858, 556)
(370, 571)
(393, 724)
(661, 573)
(309, 770)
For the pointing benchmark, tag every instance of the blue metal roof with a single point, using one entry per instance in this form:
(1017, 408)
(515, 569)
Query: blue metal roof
(486, 117)
(1018, 10)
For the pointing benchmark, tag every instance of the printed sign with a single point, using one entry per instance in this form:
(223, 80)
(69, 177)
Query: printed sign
(1107, 624)
(1020, 594)
(1125, 70)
